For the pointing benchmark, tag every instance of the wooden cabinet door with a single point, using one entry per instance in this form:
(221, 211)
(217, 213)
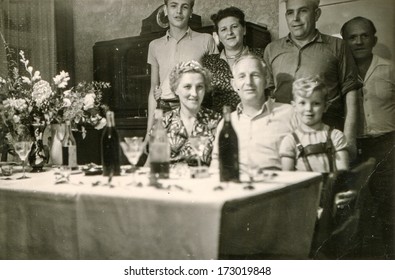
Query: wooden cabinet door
(133, 96)
(123, 63)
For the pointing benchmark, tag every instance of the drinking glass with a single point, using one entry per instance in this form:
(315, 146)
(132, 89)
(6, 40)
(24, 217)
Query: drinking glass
(198, 143)
(62, 174)
(22, 148)
(6, 171)
(133, 147)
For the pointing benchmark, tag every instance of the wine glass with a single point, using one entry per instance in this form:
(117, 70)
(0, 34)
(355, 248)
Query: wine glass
(198, 144)
(133, 147)
(22, 148)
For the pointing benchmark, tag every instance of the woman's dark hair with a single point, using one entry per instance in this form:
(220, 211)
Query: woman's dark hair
(228, 12)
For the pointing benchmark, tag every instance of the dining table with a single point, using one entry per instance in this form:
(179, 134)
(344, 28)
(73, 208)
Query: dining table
(125, 218)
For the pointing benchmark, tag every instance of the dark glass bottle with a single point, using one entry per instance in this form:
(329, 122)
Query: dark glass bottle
(69, 148)
(228, 150)
(159, 148)
(110, 152)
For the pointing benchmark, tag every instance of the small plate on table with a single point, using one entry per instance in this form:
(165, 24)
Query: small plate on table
(92, 169)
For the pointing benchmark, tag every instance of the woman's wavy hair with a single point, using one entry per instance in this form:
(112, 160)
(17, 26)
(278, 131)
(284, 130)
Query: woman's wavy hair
(228, 12)
(189, 67)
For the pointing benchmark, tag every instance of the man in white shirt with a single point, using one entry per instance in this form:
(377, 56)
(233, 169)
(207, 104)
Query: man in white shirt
(260, 124)
(376, 130)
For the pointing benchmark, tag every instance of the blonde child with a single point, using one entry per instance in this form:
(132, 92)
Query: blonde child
(313, 146)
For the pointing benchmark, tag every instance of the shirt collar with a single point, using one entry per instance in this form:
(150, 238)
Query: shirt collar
(267, 107)
(317, 38)
(188, 34)
(376, 62)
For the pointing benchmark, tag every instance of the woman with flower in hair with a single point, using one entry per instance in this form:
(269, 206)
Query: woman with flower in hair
(190, 81)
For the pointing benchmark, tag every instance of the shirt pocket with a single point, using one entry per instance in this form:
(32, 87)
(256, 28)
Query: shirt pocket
(383, 88)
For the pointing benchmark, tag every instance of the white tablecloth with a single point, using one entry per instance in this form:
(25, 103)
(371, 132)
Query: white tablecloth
(43, 220)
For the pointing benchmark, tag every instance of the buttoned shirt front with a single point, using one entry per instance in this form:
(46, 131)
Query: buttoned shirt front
(166, 52)
(325, 55)
(377, 101)
(259, 136)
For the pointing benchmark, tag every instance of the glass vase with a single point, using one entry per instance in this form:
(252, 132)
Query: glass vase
(39, 153)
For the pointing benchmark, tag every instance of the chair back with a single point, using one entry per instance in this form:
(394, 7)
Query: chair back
(363, 171)
(356, 180)
(337, 231)
(324, 222)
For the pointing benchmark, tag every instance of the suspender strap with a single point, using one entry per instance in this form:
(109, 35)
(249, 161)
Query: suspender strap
(330, 153)
(302, 152)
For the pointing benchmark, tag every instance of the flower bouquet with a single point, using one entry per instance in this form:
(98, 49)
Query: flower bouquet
(29, 101)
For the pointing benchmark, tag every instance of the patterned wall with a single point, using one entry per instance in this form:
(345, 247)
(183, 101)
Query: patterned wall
(100, 20)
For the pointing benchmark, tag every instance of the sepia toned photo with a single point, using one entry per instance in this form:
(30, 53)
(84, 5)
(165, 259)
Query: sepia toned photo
(197, 130)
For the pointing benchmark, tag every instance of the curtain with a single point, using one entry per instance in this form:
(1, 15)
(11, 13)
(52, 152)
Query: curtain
(3, 57)
(30, 26)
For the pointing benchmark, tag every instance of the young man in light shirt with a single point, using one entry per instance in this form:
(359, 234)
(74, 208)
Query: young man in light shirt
(179, 44)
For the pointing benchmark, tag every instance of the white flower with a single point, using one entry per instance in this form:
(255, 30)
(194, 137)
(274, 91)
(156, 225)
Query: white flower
(61, 79)
(66, 93)
(26, 80)
(23, 59)
(6, 103)
(66, 102)
(41, 92)
(89, 101)
(36, 76)
(48, 116)
(16, 118)
(22, 54)
(30, 70)
(18, 104)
